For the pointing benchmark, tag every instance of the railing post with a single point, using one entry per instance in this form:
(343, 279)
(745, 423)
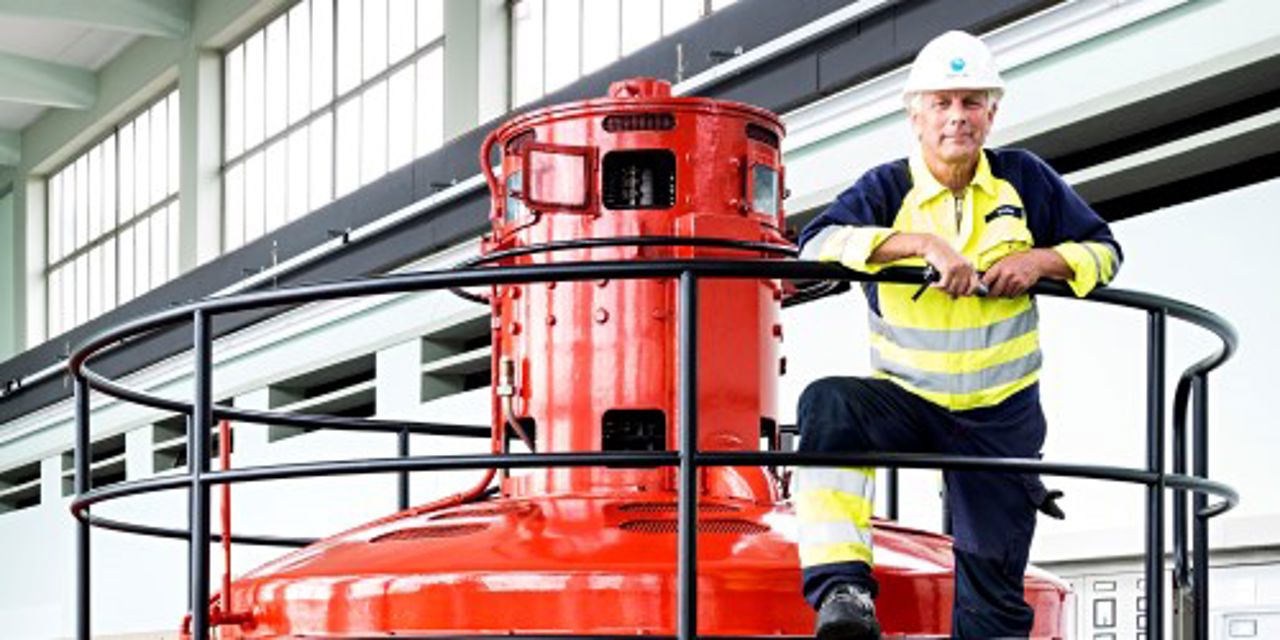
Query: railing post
(402, 481)
(891, 493)
(198, 464)
(1183, 594)
(1155, 463)
(687, 552)
(82, 526)
(1200, 443)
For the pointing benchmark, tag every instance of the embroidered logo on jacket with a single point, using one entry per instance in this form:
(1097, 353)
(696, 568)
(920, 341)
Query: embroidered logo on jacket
(1005, 210)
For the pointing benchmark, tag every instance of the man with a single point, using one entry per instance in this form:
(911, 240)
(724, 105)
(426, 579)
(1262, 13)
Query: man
(956, 368)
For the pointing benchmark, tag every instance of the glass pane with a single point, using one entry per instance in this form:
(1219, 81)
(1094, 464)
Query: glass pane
(159, 151)
(174, 139)
(233, 208)
(375, 37)
(109, 180)
(349, 50)
(528, 49)
(109, 273)
(254, 97)
(562, 43)
(764, 189)
(430, 21)
(347, 149)
(296, 202)
(159, 249)
(600, 21)
(254, 193)
(321, 53)
(642, 20)
(299, 62)
(400, 37)
(53, 295)
(515, 203)
(82, 201)
(125, 261)
(277, 76)
(95, 192)
(141, 163)
(557, 179)
(142, 273)
(373, 133)
(276, 185)
(82, 288)
(233, 103)
(429, 102)
(126, 173)
(68, 210)
(68, 295)
(95, 282)
(171, 241)
(677, 14)
(54, 233)
(321, 132)
(400, 118)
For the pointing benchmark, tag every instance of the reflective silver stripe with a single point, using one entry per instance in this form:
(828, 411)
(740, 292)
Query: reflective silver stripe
(812, 249)
(838, 479)
(959, 382)
(953, 340)
(833, 533)
(1115, 259)
(1097, 263)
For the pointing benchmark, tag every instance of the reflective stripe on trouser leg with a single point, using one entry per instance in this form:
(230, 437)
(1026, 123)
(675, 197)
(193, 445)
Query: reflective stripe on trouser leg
(833, 508)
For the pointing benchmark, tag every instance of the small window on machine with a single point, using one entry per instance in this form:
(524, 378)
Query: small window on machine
(643, 179)
(634, 430)
(515, 200)
(764, 189)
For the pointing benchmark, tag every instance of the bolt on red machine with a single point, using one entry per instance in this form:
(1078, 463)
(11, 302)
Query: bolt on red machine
(591, 366)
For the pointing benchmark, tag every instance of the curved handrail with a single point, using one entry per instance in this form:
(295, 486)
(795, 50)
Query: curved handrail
(687, 458)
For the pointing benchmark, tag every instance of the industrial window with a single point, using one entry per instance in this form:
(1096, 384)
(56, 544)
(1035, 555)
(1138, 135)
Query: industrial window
(169, 442)
(327, 97)
(346, 389)
(106, 464)
(456, 358)
(559, 41)
(20, 487)
(112, 227)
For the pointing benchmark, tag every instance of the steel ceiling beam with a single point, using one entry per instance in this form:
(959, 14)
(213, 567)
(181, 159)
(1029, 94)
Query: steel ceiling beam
(161, 18)
(33, 81)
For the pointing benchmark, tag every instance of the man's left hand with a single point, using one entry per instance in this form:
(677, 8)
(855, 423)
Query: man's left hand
(1013, 274)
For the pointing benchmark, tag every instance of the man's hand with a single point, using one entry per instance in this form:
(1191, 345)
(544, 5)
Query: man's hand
(1013, 274)
(956, 275)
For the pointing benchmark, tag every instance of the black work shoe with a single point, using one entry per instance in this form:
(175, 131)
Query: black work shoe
(847, 613)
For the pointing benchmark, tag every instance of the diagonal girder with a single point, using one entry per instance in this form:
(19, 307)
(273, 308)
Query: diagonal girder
(10, 147)
(49, 84)
(162, 18)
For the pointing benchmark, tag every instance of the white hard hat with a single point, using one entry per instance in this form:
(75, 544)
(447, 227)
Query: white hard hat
(953, 60)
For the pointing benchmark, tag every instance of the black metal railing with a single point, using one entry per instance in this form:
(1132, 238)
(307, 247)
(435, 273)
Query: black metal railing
(1190, 574)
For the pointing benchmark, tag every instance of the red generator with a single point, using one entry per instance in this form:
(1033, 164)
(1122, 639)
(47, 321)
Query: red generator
(591, 366)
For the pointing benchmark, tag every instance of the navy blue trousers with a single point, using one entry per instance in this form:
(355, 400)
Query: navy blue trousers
(992, 514)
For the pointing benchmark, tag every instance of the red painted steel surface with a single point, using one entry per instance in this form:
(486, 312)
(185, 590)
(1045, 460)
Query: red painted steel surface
(593, 550)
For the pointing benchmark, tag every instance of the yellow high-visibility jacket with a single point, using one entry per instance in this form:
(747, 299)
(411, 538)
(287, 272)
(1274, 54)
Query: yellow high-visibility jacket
(968, 352)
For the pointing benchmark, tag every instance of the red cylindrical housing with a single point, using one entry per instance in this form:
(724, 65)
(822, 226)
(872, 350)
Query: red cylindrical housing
(594, 364)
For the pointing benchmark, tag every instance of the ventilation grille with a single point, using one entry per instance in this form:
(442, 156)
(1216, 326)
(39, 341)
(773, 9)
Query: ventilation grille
(438, 531)
(672, 507)
(763, 135)
(715, 525)
(481, 512)
(639, 122)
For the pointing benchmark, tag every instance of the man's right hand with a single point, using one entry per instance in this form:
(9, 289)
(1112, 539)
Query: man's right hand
(956, 275)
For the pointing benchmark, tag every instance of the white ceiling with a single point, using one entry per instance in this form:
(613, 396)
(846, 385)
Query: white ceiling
(51, 50)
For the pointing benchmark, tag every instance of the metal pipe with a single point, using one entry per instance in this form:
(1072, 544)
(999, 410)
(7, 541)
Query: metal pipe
(83, 627)
(1155, 464)
(198, 464)
(687, 553)
(402, 481)
(1181, 567)
(891, 493)
(1200, 443)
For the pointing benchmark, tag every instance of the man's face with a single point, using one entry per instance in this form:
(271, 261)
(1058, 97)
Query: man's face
(953, 125)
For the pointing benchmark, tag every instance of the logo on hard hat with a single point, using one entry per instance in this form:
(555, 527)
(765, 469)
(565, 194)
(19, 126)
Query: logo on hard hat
(957, 64)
